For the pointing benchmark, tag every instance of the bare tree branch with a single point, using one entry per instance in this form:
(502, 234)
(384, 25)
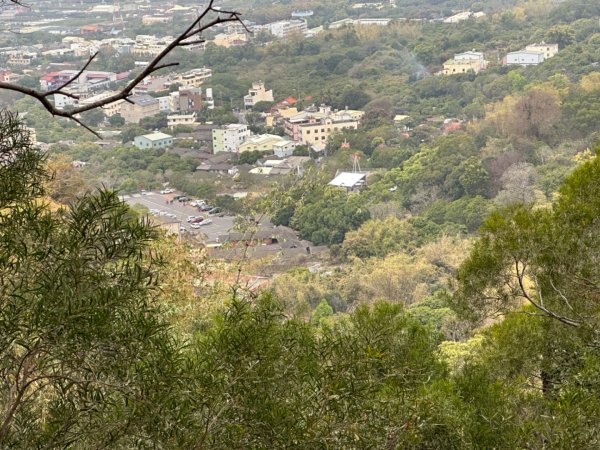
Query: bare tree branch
(520, 274)
(195, 28)
(77, 75)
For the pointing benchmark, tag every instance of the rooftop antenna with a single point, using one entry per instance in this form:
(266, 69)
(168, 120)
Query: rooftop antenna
(356, 162)
(117, 16)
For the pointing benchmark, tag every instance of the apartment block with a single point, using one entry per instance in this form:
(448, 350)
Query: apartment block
(139, 106)
(229, 138)
(257, 93)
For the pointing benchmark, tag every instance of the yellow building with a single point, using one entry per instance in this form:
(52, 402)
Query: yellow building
(193, 78)
(452, 67)
(549, 50)
(229, 40)
(262, 143)
(318, 132)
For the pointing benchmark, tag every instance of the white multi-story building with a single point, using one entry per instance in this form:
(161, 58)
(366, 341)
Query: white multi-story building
(286, 28)
(524, 58)
(229, 137)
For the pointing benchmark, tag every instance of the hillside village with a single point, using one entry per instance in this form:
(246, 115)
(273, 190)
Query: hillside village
(307, 224)
(182, 95)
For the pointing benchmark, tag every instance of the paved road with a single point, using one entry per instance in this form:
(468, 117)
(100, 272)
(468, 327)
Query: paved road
(153, 200)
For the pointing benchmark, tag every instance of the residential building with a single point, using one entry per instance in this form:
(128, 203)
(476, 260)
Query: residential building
(153, 140)
(524, 58)
(230, 39)
(229, 137)
(261, 143)
(189, 99)
(139, 106)
(469, 56)
(549, 50)
(7, 76)
(286, 28)
(192, 78)
(257, 93)
(153, 20)
(146, 45)
(222, 168)
(464, 63)
(317, 132)
(315, 126)
(92, 79)
(181, 119)
(20, 59)
(381, 22)
(283, 149)
(463, 16)
(164, 103)
(341, 23)
(158, 83)
(292, 164)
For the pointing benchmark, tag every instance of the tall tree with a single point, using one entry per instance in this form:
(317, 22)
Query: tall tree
(83, 350)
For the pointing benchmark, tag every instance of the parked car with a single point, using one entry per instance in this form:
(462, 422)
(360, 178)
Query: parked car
(167, 191)
(197, 202)
(215, 211)
(190, 218)
(195, 226)
(143, 192)
(205, 207)
(183, 198)
(205, 222)
(197, 219)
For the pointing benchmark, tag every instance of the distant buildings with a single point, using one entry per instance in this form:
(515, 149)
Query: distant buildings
(257, 93)
(192, 78)
(382, 22)
(532, 55)
(230, 39)
(153, 141)
(285, 28)
(314, 127)
(463, 16)
(524, 58)
(549, 50)
(139, 106)
(263, 143)
(471, 61)
(292, 164)
(351, 181)
(229, 137)
(181, 119)
(150, 46)
(92, 79)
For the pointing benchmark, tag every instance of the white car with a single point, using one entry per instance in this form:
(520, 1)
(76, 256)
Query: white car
(162, 213)
(205, 222)
(171, 215)
(167, 191)
(195, 226)
(197, 203)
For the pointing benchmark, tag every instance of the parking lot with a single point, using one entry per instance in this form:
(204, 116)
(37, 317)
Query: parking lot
(154, 200)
